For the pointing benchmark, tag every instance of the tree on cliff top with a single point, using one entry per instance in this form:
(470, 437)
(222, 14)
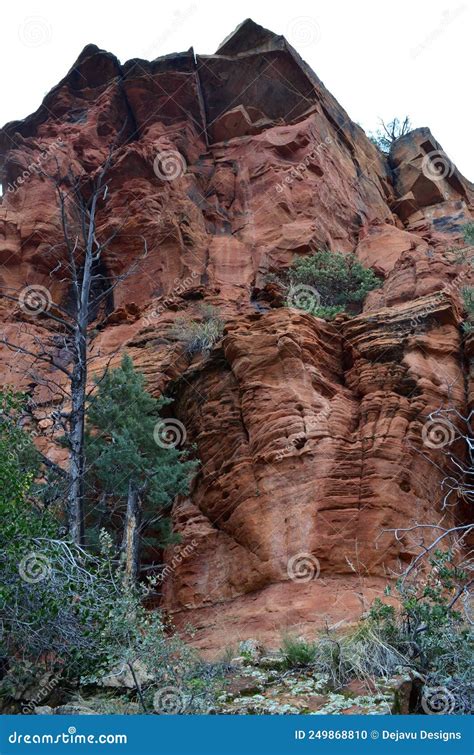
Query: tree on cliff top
(389, 132)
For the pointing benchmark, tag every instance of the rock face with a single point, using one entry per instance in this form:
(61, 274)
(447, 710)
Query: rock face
(309, 433)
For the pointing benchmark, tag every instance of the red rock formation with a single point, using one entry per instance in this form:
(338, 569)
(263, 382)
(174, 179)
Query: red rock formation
(309, 433)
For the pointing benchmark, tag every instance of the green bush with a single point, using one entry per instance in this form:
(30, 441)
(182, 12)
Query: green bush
(326, 283)
(361, 654)
(467, 294)
(465, 254)
(46, 584)
(298, 652)
(81, 624)
(430, 632)
(425, 636)
(468, 232)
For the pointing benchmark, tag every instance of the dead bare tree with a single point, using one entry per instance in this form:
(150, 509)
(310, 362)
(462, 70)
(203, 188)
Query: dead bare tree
(396, 128)
(449, 431)
(80, 266)
(389, 132)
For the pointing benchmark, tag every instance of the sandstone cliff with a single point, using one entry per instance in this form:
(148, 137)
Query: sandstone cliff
(309, 433)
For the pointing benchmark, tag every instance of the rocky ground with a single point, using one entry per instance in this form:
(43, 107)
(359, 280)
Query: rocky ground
(256, 682)
(267, 688)
(261, 689)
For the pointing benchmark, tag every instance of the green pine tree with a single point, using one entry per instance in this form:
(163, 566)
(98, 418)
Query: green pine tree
(127, 468)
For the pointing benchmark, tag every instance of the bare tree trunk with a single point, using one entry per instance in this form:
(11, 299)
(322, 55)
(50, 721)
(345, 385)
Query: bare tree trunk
(137, 687)
(131, 534)
(75, 504)
(79, 382)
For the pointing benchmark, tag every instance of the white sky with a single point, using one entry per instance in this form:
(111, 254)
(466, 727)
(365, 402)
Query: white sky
(379, 59)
